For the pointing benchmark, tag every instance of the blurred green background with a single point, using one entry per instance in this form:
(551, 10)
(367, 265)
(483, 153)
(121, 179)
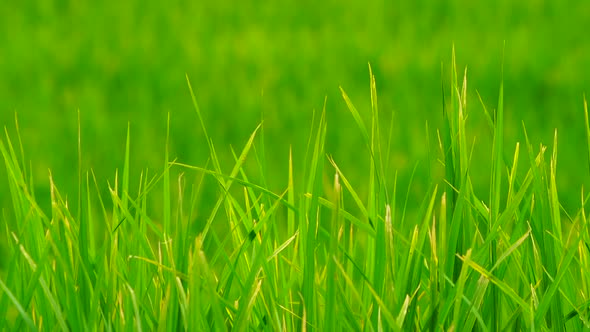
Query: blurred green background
(121, 62)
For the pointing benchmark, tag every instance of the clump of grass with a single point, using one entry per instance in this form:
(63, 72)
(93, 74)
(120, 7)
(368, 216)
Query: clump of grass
(298, 259)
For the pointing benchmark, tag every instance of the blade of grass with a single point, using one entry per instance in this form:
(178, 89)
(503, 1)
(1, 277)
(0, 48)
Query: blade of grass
(331, 309)
(495, 195)
(21, 310)
(310, 218)
(587, 128)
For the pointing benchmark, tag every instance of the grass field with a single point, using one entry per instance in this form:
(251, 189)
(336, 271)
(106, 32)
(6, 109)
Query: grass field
(154, 216)
(297, 258)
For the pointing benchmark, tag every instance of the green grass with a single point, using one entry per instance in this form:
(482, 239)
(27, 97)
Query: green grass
(313, 254)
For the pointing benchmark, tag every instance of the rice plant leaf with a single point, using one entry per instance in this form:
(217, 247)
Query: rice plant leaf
(548, 299)
(331, 310)
(587, 128)
(137, 315)
(357, 118)
(231, 179)
(21, 310)
(504, 287)
(350, 189)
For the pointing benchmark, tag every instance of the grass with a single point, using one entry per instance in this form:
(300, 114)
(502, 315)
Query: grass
(313, 255)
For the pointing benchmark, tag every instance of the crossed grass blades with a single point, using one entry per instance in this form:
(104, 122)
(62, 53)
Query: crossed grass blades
(314, 256)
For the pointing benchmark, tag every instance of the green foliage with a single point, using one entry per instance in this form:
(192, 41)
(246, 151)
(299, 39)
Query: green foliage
(312, 255)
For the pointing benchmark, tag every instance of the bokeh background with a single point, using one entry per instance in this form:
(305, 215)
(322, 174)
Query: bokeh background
(121, 63)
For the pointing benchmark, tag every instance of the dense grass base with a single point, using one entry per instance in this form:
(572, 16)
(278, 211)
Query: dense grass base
(316, 255)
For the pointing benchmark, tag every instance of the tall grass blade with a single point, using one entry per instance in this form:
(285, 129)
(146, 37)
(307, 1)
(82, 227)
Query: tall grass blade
(495, 196)
(309, 220)
(21, 310)
(331, 309)
(587, 127)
